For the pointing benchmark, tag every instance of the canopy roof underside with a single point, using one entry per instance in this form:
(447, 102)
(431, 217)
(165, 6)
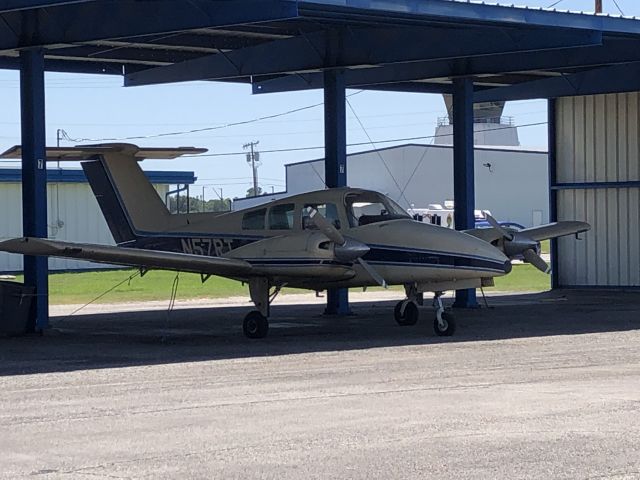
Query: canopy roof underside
(285, 45)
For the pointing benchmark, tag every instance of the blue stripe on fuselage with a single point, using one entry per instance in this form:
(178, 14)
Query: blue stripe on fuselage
(378, 255)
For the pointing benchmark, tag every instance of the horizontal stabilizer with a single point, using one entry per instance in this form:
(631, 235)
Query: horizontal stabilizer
(132, 257)
(555, 230)
(89, 152)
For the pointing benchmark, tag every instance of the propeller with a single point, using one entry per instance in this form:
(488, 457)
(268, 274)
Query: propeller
(536, 260)
(494, 223)
(518, 243)
(345, 249)
(326, 227)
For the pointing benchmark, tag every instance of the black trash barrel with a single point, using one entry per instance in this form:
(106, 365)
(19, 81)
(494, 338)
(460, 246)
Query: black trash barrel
(15, 303)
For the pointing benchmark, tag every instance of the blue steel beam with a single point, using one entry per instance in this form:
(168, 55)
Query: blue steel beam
(105, 19)
(611, 79)
(463, 171)
(613, 52)
(34, 180)
(335, 162)
(361, 46)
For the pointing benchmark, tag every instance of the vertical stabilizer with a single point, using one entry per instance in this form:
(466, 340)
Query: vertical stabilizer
(128, 201)
(108, 201)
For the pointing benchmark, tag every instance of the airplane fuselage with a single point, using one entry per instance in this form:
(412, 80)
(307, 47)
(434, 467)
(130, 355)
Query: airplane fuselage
(401, 250)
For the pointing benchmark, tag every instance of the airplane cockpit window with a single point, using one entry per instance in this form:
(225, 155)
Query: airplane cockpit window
(372, 207)
(281, 217)
(254, 220)
(327, 210)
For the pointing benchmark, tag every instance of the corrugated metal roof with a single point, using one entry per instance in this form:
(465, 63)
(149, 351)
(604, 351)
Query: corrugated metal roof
(547, 9)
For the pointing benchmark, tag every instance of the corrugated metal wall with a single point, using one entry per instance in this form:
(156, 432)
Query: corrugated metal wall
(598, 181)
(73, 215)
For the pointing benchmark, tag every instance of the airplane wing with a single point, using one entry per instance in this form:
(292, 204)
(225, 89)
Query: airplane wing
(543, 232)
(554, 230)
(487, 234)
(133, 257)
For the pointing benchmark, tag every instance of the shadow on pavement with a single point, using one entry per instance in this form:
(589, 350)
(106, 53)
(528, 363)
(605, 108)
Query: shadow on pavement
(188, 335)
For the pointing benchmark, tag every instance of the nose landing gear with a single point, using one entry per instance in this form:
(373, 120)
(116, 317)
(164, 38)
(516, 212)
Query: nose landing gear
(444, 324)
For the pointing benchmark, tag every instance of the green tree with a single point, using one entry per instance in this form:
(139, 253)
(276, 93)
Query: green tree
(252, 193)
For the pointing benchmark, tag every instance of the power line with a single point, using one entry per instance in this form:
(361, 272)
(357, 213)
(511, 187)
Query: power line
(206, 129)
(359, 144)
(386, 166)
(618, 7)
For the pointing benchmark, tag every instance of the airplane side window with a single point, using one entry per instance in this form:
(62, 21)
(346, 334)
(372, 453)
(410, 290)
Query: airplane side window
(281, 217)
(327, 210)
(254, 220)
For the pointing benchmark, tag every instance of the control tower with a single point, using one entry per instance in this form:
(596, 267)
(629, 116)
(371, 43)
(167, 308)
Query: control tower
(490, 127)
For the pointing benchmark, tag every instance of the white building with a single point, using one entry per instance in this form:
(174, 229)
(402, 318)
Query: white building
(511, 182)
(73, 212)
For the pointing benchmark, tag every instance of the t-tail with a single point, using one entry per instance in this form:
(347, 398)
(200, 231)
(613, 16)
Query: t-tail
(130, 204)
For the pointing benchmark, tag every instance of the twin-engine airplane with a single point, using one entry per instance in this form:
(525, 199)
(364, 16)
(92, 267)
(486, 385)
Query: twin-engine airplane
(334, 238)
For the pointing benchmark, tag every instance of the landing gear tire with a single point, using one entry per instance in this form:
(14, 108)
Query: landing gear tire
(255, 325)
(409, 316)
(444, 324)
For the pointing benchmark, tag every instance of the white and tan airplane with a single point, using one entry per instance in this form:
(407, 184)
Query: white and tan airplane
(334, 238)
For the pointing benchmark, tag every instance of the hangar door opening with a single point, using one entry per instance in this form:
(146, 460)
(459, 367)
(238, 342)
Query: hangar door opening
(598, 181)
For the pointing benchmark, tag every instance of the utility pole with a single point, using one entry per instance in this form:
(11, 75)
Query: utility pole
(60, 134)
(253, 159)
(598, 6)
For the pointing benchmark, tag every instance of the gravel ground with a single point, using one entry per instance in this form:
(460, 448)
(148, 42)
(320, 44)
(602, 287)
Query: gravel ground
(542, 386)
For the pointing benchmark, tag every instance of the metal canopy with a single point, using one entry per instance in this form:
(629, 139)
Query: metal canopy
(283, 45)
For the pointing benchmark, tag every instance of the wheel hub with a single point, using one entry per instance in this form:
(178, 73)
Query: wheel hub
(252, 326)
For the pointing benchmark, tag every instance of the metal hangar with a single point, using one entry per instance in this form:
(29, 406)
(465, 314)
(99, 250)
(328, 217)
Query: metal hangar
(72, 211)
(477, 52)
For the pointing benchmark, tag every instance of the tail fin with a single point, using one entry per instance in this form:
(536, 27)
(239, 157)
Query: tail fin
(127, 199)
(129, 202)
(107, 197)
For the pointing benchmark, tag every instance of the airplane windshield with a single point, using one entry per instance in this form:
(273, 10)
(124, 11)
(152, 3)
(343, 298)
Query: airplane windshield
(372, 207)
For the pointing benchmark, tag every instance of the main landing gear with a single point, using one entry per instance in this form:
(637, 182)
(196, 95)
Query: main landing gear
(256, 323)
(406, 313)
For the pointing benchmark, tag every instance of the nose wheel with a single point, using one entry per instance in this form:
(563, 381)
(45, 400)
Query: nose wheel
(444, 325)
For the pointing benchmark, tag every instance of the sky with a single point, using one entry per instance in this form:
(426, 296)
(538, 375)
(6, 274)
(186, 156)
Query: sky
(99, 108)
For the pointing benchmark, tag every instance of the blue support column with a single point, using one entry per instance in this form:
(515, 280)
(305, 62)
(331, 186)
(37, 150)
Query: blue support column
(34, 179)
(463, 171)
(553, 194)
(335, 161)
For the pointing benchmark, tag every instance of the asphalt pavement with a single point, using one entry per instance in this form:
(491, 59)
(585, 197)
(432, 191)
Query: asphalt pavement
(542, 386)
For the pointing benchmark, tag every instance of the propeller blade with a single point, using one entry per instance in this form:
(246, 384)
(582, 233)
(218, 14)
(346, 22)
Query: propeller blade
(373, 273)
(536, 260)
(326, 227)
(494, 223)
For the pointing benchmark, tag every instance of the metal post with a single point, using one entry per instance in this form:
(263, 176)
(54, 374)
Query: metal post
(463, 171)
(553, 194)
(34, 179)
(598, 6)
(335, 161)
